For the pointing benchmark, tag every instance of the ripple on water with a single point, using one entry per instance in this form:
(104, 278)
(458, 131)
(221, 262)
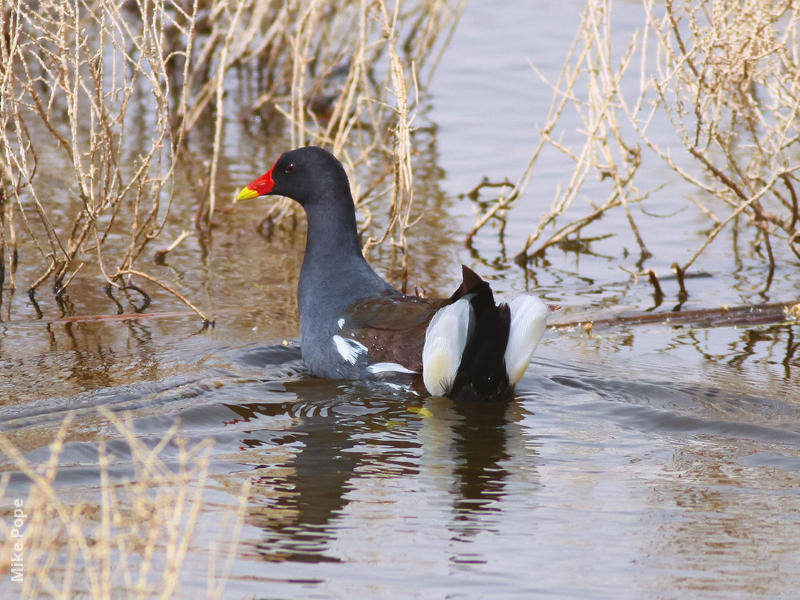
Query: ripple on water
(348, 474)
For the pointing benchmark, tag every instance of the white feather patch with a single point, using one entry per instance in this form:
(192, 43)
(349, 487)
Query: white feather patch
(349, 349)
(445, 340)
(388, 367)
(340, 322)
(528, 322)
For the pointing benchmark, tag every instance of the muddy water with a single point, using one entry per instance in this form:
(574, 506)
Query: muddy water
(652, 461)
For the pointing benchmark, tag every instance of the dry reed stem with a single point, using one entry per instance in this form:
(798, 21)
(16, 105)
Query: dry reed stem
(403, 184)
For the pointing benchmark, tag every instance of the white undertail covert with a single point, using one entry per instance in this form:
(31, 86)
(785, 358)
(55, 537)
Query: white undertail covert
(528, 322)
(445, 340)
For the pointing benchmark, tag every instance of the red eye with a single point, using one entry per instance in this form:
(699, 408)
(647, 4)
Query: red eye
(290, 168)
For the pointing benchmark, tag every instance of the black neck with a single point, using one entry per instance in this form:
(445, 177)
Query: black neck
(334, 273)
(332, 232)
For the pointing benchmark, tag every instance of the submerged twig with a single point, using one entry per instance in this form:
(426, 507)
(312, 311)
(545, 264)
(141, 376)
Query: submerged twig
(657, 291)
(724, 316)
(170, 289)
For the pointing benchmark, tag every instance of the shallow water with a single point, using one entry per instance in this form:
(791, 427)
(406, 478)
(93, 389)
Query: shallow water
(649, 461)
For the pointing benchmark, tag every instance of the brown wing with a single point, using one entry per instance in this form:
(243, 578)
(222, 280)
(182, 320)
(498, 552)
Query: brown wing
(393, 328)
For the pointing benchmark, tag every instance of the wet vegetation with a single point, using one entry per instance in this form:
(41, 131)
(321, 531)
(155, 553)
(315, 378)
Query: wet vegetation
(722, 79)
(114, 116)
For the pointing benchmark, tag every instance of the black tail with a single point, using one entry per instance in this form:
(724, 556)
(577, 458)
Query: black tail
(482, 373)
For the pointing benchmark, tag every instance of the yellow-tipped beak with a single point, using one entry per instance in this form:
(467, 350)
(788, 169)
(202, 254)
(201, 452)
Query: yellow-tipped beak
(246, 194)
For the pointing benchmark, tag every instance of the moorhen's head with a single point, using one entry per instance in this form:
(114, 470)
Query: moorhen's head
(305, 175)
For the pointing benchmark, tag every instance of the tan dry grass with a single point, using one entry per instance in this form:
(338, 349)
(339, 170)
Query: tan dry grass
(99, 99)
(725, 74)
(124, 538)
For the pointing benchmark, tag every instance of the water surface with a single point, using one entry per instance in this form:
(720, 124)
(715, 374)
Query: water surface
(652, 461)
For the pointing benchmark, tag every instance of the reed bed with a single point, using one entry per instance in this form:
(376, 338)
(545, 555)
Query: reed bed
(724, 75)
(127, 536)
(100, 103)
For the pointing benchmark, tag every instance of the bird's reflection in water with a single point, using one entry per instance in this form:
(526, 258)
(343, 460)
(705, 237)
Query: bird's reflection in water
(300, 488)
(343, 432)
(474, 449)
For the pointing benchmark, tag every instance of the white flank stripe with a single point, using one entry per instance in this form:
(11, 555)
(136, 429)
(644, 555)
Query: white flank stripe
(388, 367)
(348, 349)
(528, 321)
(445, 340)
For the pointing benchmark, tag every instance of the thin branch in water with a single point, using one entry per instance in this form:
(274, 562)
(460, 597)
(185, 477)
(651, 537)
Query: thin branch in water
(171, 290)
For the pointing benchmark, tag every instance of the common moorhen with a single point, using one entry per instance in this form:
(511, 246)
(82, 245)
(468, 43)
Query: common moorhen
(354, 325)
